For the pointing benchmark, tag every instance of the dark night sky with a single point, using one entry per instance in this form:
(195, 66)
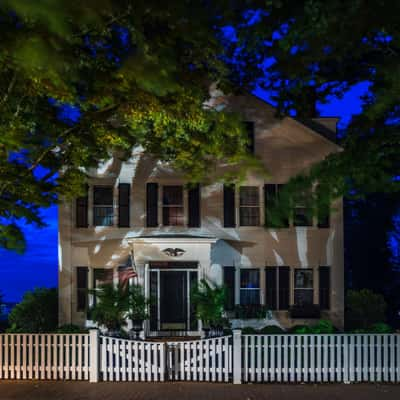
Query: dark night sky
(38, 266)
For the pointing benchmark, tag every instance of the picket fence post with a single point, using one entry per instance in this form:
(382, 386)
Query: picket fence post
(94, 356)
(237, 356)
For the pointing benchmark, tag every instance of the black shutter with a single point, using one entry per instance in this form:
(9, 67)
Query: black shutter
(152, 204)
(82, 288)
(229, 206)
(269, 201)
(194, 207)
(271, 285)
(284, 288)
(124, 190)
(82, 220)
(324, 288)
(250, 136)
(229, 283)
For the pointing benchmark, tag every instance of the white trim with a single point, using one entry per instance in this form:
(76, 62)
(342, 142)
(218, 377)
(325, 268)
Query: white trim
(188, 240)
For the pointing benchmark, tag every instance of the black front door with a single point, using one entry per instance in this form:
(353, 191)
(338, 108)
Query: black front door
(173, 300)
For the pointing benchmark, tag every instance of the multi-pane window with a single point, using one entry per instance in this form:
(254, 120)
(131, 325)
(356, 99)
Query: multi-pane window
(302, 214)
(275, 217)
(173, 212)
(249, 206)
(103, 209)
(303, 287)
(249, 286)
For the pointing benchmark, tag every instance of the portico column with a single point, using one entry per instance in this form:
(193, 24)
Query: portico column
(147, 292)
(237, 284)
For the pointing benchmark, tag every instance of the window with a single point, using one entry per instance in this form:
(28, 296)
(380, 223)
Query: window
(249, 205)
(82, 288)
(103, 210)
(249, 286)
(274, 218)
(229, 283)
(303, 287)
(302, 214)
(173, 205)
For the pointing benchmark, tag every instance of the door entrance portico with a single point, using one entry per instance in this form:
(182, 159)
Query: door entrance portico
(168, 267)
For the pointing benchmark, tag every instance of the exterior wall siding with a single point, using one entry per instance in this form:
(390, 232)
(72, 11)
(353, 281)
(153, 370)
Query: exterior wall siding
(285, 147)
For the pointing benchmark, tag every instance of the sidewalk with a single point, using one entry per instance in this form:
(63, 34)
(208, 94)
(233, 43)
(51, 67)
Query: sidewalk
(38, 390)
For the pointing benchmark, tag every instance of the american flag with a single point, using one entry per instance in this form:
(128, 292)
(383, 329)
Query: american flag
(127, 272)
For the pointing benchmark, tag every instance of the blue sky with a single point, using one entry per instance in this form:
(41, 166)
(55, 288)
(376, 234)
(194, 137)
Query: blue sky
(38, 266)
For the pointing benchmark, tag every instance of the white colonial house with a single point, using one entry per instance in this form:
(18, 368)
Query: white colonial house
(140, 212)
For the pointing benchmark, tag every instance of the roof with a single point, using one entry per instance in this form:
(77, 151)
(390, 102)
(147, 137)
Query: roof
(307, 122)
(318, 128)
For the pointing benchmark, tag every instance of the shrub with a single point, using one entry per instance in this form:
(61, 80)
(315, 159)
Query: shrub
(364, 308)
(323, 326)
(71, 328)
(112, 305)
(381, 327)
(248, 330)
(209, 302)
(300, 329)
(251, 311)
(271, 330)
(37, 312)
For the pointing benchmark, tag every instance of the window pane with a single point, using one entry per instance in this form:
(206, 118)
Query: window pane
(249, 278)
(302, 217)
(249, 196)
(103, 195)
(249, 216)
(173, 195)
(303, 279)
(249, 296)
(173, 216)
(103, 216)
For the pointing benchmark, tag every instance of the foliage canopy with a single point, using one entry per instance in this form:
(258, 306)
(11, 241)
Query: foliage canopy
(36, 313)
(81, 81)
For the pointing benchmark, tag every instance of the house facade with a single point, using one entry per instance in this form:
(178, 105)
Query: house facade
(140, 213)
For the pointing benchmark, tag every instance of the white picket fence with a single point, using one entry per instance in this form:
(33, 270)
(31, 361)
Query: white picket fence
(321, 358)
(45, 356)
(238, 358)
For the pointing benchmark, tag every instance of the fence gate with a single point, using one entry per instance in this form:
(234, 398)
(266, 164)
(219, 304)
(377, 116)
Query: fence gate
(131, 360)
(196, 360)
(200, 360)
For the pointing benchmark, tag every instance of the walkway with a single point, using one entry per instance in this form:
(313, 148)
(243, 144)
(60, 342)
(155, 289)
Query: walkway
(192, 391)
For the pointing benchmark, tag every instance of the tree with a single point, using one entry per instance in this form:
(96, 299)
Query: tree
(309, 51)
(81, 82)
(364, 308)
(36, 313)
